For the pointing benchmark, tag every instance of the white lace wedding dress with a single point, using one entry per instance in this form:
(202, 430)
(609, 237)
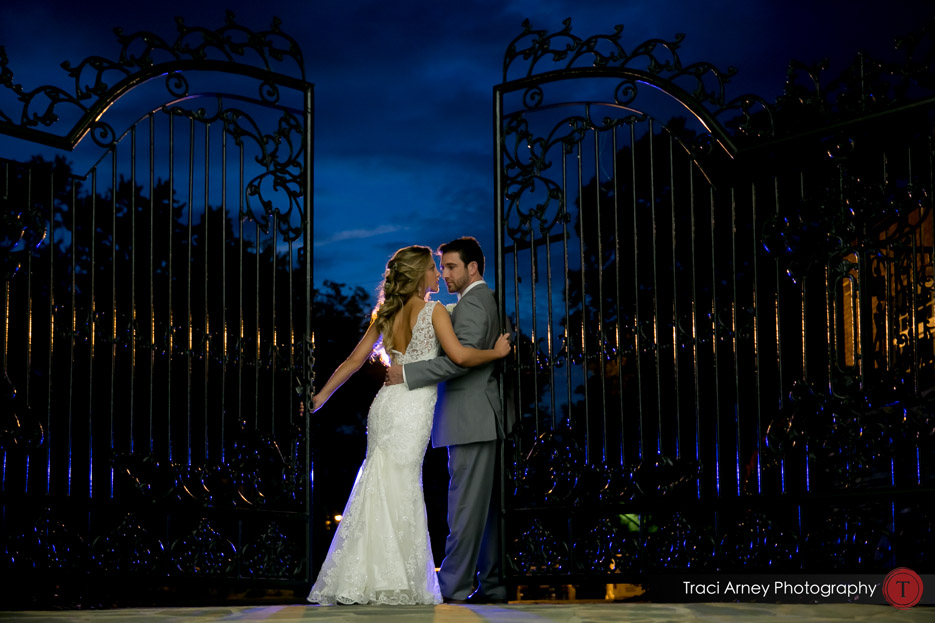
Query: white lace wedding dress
(381, 552)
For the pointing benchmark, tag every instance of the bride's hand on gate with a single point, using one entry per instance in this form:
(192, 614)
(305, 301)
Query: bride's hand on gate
(503, 346)
(317, 401)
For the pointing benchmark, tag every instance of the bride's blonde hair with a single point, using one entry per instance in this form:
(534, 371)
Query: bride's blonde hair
(402, 279)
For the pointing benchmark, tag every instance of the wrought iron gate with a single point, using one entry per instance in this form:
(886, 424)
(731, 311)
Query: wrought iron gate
(158, 321)
(725, 312)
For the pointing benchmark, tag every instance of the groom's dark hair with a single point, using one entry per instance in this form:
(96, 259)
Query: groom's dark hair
(467, 249)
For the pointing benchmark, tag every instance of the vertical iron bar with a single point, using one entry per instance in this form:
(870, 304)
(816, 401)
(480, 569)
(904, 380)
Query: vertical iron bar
(913, 297)
(865, 317)
(240, 291)
(892, 319)
(113, 306)
(830, 321)
(29, 321)
(805, 372)
(518, 327)
(93, 328)
(308, 243)
(188, 292)
(566, 260)
(6, 334)
(290, 311)
(500, 276)
(675, 301)
(499, 242)
(714, 345)
(533, 333)
(637, 333)
(758, 366)
(777, 311)
(657, 356)
(584, 307)
(550, 329)
(735, 338)
(171, 349)
(803, 301)
(206, 326)
(132, 371)
(257, 357)
(309, 341)
(600, 296)
(224, 353)
(913, 326)
(696, 321)
(930, 154)
(274, 334)
(72, 332)
(617, 300)
(152, 273)
(6, 324)
(50, 434)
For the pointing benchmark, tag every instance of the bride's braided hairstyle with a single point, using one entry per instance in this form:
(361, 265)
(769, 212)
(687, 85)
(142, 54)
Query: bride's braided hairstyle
(402, 279)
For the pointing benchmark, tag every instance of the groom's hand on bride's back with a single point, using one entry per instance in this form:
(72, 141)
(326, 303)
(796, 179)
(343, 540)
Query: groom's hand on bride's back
(394, 375)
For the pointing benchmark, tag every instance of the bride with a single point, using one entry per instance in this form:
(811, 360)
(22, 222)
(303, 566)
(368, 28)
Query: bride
(381, 552)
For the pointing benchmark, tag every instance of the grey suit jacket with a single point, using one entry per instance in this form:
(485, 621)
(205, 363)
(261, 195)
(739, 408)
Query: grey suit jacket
(468, 408)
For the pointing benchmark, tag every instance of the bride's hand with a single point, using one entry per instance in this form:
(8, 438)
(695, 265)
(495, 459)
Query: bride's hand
(503, 347)
(317, 401)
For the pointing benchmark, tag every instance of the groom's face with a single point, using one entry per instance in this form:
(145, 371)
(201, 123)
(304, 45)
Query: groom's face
(454, 272)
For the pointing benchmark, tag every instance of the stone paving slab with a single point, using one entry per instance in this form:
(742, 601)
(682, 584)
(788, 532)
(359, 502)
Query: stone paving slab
(509, 613)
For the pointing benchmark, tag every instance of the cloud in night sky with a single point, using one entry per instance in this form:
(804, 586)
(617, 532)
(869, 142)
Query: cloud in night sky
(357, 234)
(403, 90)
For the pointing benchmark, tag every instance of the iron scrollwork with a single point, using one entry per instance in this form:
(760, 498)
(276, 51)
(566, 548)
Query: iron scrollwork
(204, 551)
(49, 544)
(279, 152)
(601, 50)
(865, 86)
(850, 442)
(555, 472)
(256, 473)
(527, 158)
(611, 546)
(679, 542)
(129, 548)
(20, 429)
(701, 84)
(98, 80)
(272, 555)
(23, 227)
(538, 551)
(759, 541)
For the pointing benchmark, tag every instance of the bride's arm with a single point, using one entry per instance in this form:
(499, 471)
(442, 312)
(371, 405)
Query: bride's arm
(352, 364)
(457, 352)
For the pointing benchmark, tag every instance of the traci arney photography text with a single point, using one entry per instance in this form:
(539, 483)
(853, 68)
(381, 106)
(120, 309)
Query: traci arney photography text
(780, 588)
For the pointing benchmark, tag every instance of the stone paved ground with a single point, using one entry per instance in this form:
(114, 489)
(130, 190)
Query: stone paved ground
(575, 612)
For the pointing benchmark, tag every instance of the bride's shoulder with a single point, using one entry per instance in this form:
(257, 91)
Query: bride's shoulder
(420, 309)
(433, 309)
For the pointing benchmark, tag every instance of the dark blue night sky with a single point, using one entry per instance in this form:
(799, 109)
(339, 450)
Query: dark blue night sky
(403, 132)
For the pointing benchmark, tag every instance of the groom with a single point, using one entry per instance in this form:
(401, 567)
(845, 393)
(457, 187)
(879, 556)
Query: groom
(468, 420)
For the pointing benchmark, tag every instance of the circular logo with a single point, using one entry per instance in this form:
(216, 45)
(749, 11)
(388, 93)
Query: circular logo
(902, 588)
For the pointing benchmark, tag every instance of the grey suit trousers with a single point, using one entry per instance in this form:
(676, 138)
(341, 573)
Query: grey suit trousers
(473, 509)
